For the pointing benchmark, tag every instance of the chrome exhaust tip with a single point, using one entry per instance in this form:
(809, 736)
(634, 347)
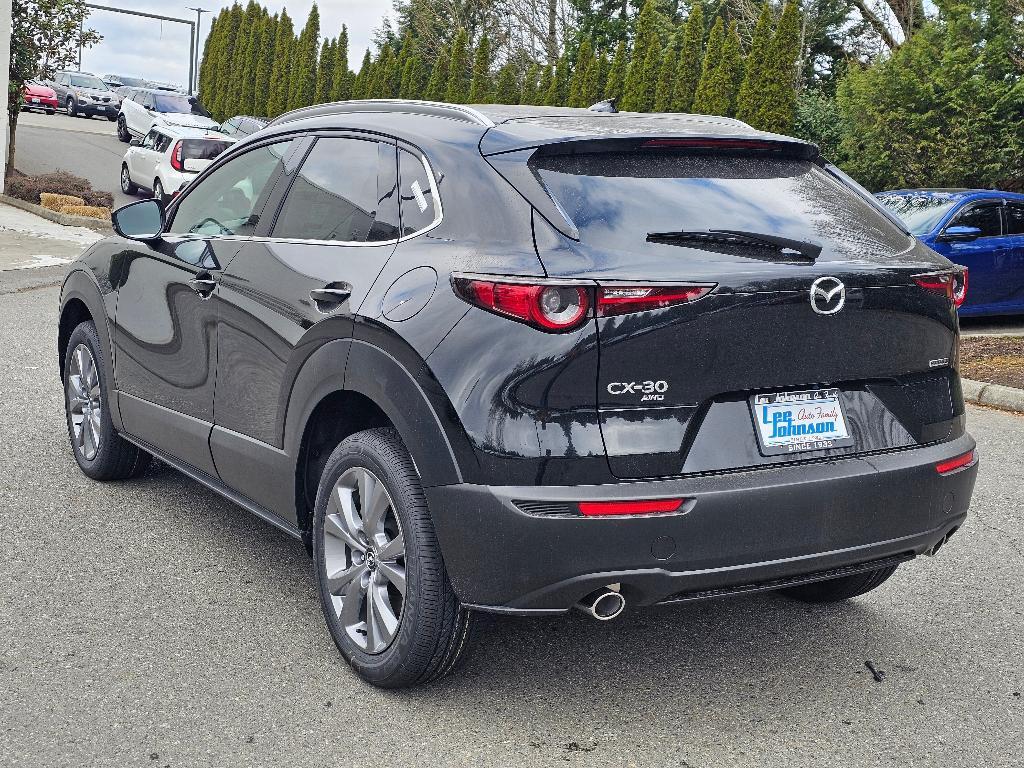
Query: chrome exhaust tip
(602, 604)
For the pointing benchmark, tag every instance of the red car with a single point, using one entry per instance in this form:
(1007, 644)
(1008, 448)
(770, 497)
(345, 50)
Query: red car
(39, 96)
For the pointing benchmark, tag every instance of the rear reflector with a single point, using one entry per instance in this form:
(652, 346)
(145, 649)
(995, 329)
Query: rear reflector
(952, 465)
(623, 299)
(651, 507)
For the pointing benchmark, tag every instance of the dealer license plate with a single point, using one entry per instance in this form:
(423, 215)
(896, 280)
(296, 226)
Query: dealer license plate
(788, 422)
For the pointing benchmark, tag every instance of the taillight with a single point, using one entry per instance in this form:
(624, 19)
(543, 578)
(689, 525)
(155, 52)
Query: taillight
(952, 465)
(177, 157)
(623, 299)
(608, 508)
(554, 308)
(951, 283)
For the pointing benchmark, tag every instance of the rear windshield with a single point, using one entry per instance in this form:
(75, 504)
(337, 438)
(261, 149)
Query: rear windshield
(616, 199)
(202, 149)
(919, 212)
(179, 103)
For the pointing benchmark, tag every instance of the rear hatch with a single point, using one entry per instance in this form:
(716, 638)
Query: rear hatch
(812, 338)
(197, 154)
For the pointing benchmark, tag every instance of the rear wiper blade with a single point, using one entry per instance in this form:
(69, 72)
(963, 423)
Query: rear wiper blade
(785, 245)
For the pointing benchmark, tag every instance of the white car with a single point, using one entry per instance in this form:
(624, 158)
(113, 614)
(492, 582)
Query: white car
(169, 158)
(142, 108)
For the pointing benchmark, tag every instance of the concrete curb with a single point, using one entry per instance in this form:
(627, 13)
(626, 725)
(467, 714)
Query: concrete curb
(993, 395)
(58, 218)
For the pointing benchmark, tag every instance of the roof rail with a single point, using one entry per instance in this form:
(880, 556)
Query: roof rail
(431, 108)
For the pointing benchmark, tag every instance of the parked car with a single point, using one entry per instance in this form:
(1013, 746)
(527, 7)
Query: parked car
(241, 126)
(82, 93)
(142, 108)
(39, 96)
(981, 229)
(519, 360)
(168, 158)
(122, 81)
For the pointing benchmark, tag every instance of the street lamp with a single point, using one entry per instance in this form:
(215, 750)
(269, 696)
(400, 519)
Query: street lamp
(194, 86)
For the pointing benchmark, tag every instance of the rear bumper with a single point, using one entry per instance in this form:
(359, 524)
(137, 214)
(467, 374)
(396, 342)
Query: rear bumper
(739, 531)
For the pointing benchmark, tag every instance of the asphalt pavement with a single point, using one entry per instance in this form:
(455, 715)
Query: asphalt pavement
(153, 623)
(86, 147)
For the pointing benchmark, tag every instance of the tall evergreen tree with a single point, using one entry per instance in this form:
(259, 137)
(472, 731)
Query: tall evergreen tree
(638, 91)
(547, 75)
(379, 86)
(324, 73)
(558, 88)
(616, 82)
(667, 76)
(361, 82)
(253, 56)
(240, 70)
(748, 102)
(704, 98)
(691, 58)
(577, 81)
(341, 82)
(725, 80)
(209, 67)
(507, 90)
(480, 83)
(305, 62)
(228, 42)
(413, 78)
(530, 83)
(437, 85)
(458, 69)
(593, 82)
(280, 76)
(264, 68)
(778, 103)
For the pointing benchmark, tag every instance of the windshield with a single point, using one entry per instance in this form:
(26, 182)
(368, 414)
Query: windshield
(919, 212)
(179, 103)
(132, 82)
(618, 199)
(88, 81)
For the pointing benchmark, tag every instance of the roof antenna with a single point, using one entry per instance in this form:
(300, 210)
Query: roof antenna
(608, 105)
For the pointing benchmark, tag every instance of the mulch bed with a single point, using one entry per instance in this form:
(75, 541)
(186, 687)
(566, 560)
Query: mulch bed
(994, 359)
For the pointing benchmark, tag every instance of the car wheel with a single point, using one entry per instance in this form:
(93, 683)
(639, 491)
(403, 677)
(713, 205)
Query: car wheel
(127, 186)
(50, 111)
(72, 108)
(383, 588)
(158, 191)
(111, 118)
(101, 453)
(843, 588)
(122, 130)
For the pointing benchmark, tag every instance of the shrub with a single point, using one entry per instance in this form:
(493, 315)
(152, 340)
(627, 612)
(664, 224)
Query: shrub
(29, 188)
(91, 211)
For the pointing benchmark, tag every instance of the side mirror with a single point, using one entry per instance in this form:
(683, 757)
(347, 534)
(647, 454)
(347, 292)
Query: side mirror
(959, 234)
(135, 143)
(142, 221)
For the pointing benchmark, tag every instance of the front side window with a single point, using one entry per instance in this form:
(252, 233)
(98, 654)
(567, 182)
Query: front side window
(1015, 218)
(984, 217)
(341, 195)
(419, 209)
(151, 139)
(231, 199)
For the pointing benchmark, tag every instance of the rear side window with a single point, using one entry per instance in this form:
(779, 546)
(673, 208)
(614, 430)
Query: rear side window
(202, 149)
(344, 192)
(163, 143)
(984, 217)
(419, 209)
(617, 199)
(1015, 219)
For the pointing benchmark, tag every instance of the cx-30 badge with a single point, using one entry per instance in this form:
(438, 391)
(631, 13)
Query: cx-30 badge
(828, 295)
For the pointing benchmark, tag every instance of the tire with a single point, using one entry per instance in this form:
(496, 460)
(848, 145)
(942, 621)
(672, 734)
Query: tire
(158, 191)
(110, 457)
(111, 118)
(127, 185)
(434, 633)
(51, 111)
(843, 588)
(71, 107)
(122, 130)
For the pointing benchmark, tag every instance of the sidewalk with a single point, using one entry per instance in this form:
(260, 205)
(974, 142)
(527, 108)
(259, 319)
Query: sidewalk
(35, 252)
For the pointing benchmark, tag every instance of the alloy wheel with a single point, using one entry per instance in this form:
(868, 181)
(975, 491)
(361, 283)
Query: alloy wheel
(364, 560)
(71, 107)
(85, 402)
(126, 179)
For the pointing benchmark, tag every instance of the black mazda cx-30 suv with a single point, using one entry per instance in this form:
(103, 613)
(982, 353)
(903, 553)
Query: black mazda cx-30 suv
(517, 360)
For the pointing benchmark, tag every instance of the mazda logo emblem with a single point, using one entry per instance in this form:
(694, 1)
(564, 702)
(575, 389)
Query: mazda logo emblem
(828, 295)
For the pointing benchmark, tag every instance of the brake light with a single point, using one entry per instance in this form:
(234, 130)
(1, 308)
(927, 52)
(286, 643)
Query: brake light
(608, 508)
(623, 299)
(952, 465)
(177, 159)
(951, 283)
(696, 143)
(553, 308)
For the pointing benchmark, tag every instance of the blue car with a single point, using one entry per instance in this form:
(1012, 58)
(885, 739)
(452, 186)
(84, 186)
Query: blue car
(980, 229)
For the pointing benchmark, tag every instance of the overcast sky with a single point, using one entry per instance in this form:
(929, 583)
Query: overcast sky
(136, 47)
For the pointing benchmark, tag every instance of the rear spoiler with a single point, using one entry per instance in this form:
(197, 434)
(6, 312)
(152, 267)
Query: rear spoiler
(514, 165)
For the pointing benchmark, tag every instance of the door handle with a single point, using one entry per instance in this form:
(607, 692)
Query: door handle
(326, 299)
(203, 284)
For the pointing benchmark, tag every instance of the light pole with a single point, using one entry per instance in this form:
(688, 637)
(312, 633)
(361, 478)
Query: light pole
(194, 86)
